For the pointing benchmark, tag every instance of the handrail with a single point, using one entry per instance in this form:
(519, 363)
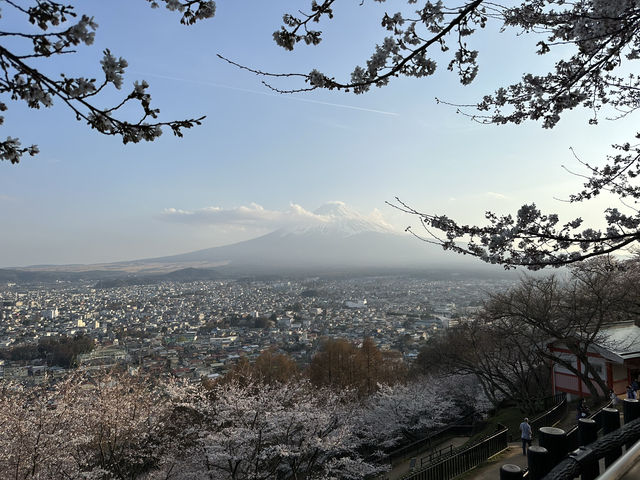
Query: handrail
(543, 418)
(621, 466)
(463, 460)
(429, 439)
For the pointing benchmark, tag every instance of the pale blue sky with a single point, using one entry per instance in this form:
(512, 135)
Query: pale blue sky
(87, 198)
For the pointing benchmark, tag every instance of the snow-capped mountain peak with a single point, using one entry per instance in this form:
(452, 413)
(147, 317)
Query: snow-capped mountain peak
(336, 218)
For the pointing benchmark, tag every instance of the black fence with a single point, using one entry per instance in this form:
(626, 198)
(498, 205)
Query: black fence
(465, 426)
(463, 460)
(573, 435)
(556, 410)
(433, 456)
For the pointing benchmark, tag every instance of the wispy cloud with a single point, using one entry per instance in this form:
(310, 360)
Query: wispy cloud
(256, 217)
(498, 196)
(269, 94)
(252, 215)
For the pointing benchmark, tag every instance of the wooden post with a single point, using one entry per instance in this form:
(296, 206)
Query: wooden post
(538, 461)
(555, 441)
(610, 423)
(587, 431)
(630, 409)
(509, 471)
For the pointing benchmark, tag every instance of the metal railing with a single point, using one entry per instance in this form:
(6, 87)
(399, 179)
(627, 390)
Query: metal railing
(426, 448)
(621, 466)
(434, 455)
(552, 416)
(448, 463)
(460, 427)
(464, 460)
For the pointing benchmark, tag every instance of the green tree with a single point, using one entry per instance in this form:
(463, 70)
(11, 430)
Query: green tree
(63, 350)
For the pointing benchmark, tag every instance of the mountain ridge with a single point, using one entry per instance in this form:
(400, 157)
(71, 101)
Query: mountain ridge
(333, 238)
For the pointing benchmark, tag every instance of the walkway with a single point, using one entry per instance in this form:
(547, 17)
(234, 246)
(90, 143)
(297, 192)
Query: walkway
(491, 469)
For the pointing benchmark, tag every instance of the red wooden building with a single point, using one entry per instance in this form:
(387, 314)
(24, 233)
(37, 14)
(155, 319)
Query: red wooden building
(616, 358)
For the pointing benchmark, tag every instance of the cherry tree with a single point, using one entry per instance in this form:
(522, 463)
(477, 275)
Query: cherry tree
(119, 425)
(82, 427)
(575, 312)
(60, 29)
(395, 414)
(506, 346)
(97, 425)
(257, 431)
(597, 42)
(401, 413)
(499, 354)
(33, 423)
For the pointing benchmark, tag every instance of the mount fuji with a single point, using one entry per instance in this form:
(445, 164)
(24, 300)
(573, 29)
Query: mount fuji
(335, 238)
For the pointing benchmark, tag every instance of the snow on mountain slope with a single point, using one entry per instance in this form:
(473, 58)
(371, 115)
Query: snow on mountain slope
(334, 236)
(335, 218)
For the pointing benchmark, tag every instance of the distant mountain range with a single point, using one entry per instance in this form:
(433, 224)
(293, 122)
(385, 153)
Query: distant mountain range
(343, 239)
(338, 239)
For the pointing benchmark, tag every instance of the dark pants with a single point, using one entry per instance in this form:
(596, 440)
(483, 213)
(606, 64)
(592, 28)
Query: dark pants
(525, 442)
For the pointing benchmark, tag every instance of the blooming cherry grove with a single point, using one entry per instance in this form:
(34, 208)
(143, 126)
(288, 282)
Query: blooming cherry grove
(260, 431)
(117, 426)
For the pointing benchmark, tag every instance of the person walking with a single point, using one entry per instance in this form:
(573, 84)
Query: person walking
(525, 434)
(614, 398)
(630, 392)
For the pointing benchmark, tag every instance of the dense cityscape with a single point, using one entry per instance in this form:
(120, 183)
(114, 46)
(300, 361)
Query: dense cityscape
(198, 329)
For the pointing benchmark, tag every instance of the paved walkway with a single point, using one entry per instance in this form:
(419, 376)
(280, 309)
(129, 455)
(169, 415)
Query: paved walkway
(491, 469)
